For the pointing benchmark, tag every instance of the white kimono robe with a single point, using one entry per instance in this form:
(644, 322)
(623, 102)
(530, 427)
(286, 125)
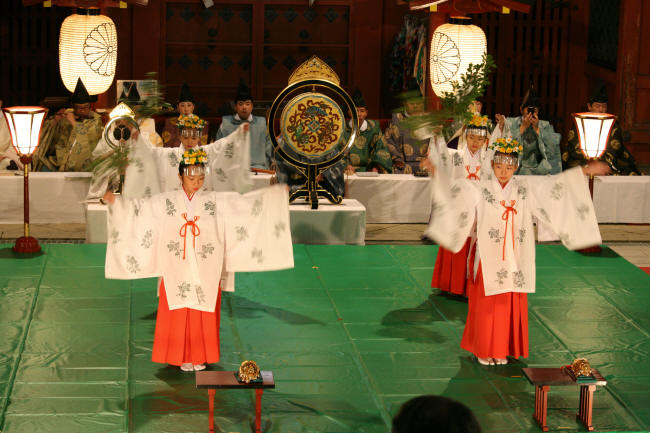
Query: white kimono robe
(153, 170)
(504, 217)
(194, 244)
(460, 163)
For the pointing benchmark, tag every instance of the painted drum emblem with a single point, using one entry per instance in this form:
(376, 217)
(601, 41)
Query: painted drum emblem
(312, 124)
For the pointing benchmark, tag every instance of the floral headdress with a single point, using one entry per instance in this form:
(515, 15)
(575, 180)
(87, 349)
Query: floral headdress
(478, 125)
(194, 157)
(505, 150)
(190, 121)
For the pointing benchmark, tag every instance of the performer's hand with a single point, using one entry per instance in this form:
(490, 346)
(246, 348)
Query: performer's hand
(534, 122)
(501, 121)
(273, 180)
(596, 168)
(247, 127)
(135, 133)
(426, 164)
(69, 116)
(109, 197)
(375, 169)
(349, 169)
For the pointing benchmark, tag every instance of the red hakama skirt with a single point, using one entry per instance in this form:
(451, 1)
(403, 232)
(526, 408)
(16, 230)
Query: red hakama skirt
(450, 270)
(185, 335)
(497, 325)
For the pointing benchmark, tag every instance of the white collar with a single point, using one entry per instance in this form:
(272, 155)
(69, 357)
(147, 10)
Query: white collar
(473, 160)
(249, 119)
(363, 126)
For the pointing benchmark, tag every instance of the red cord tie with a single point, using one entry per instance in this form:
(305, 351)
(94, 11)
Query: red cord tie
(506, 218)
(473, 176)
(194, 229)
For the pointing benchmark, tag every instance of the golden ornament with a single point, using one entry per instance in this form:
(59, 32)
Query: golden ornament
(355, 160)
(360, 142)
(408, 149)
(314, 68)
(581, 367)
(615, 144)
(248, 371)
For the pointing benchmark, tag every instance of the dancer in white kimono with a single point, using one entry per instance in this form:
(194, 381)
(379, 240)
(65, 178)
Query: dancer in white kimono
(195, 240)
(504, 266)
(471, 162)
(153, 169)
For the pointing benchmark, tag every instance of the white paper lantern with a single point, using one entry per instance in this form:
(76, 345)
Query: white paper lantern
(25, 127)
(88, 50)
(453, 47)
(593, 132)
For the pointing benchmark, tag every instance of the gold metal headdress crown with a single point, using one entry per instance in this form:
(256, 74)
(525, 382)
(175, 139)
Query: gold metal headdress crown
(314, 68)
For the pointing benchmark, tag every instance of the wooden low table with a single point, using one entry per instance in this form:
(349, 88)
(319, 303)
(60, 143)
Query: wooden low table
(213, 380)
(543, 378)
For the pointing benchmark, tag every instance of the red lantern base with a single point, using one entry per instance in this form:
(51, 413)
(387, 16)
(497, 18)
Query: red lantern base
(591, 250)
(26, 245)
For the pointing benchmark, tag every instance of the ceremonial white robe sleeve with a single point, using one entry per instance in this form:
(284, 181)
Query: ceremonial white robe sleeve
(258, 235)
(229, 160)
(133, 236)
(563, 203)
(453, 208)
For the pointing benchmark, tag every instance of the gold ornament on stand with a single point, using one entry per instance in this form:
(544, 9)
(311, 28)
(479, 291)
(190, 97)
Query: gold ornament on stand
(311, 125)
(248, 371)
(581, 367)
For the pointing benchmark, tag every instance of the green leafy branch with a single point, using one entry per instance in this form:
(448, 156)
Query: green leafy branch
(470, 87)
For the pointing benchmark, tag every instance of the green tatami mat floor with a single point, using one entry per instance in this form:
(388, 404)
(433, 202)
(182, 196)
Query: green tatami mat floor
(350, 334)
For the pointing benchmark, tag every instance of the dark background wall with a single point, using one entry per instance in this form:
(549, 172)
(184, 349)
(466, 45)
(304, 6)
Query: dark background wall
(563, 47)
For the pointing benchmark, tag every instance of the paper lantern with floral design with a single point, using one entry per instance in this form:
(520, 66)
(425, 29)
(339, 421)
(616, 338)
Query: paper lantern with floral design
(454, 46)
(88, 50)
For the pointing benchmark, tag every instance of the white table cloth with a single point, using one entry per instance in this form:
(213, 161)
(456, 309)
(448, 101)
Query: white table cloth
(53, 197)
(622, 199)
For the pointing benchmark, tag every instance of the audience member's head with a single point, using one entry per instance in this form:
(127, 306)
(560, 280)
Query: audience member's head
(433, 414)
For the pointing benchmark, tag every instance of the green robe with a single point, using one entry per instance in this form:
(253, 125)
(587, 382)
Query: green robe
(616, 155)
(541, 153)
(67, 148)
(369, 149)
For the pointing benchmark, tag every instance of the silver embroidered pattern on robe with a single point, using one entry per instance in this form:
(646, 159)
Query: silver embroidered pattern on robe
(501, 276)
(114, 237)
(242, 233)
(557, 191)
(147, 239)
(279, 228)
(522, 235)
(229, 151)
(544, 214)
(488, 196)
(171, 209)
(210, 207)
(173, 159)
(455, 191)
(495, 234)
(582, 210)
(183, 288)
(174, 247)
(257, 207)
(136, 208)
(518, 279)
(206, 250)
(457, 159)
(463, 219)
(147, 192)
(200, 295)
(522, 191)
(221, 175)
(257, 254)
(132, 264)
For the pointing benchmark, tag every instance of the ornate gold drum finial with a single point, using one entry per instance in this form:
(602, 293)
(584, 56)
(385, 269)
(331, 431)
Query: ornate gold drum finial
(314, 68)
(248, 371)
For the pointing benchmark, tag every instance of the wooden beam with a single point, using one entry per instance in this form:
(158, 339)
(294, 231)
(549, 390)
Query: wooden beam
(473, 6)
(87, 3)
